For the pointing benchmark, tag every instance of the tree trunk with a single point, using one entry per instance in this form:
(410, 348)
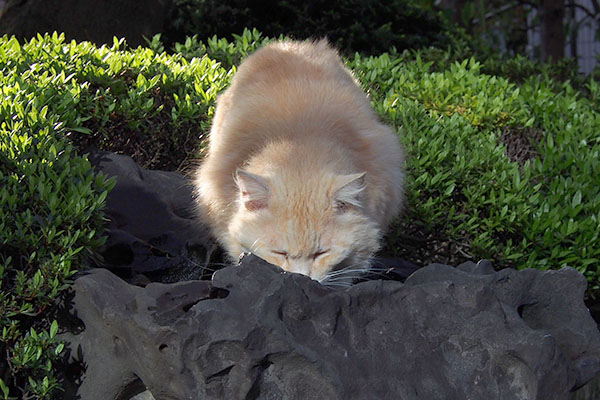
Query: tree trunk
(574, 30)
(552, 13)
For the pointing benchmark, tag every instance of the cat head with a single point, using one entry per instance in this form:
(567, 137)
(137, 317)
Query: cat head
(307, 225)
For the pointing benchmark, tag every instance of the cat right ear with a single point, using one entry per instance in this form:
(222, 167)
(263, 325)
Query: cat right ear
(254, 190)
(350, 191)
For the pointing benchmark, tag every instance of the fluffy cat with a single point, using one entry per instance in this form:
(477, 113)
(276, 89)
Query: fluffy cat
(299, 169)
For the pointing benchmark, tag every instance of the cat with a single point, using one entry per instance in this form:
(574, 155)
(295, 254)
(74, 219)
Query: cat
(299, 169)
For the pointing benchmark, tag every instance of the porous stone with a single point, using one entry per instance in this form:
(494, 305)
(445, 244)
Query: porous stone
(256, 332)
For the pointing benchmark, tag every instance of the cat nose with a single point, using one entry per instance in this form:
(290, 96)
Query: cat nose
(316, 276)
(300, 267)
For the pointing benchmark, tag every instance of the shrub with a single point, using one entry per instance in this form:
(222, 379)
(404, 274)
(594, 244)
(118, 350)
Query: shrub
(227, 53)
(50, 219)
(154, 105)
(57, 99)
(517, 69)
(507, 172)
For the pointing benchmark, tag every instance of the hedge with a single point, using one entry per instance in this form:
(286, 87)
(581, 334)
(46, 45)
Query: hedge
(57, 99)
(466, 131)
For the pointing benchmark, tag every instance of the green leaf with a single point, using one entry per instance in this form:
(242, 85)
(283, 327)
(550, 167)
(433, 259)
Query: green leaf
(80, 129)
(59, 348)
(4, 388)
(53, 329)
(576, 199)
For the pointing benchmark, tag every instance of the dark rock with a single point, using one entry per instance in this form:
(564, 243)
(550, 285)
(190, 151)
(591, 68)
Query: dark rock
(152, 229)
(95, 21)
(256, 332)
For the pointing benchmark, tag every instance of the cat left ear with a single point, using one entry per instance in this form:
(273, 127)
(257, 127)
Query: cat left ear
(349, 193)
(254, 190)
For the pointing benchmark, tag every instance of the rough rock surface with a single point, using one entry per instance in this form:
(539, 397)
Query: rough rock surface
(95, 21)
(255, 332)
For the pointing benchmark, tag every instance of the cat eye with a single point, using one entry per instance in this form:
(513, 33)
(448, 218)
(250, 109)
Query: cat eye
(280, 253)
(319, 254)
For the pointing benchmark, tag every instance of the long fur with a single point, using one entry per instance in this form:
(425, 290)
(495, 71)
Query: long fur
(295, 122)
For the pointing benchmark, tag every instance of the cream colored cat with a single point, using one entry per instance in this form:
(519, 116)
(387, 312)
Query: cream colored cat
(299, 169)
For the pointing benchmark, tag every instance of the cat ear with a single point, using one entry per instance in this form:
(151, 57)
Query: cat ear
(254, 190)
(350, 190)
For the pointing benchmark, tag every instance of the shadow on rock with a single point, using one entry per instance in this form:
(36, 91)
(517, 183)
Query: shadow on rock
(153, 234)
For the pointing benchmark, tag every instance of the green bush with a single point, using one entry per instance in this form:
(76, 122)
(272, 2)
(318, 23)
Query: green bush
(57, 99)
(228, 54)
(517, 69)
(465, 132)
(50, 218)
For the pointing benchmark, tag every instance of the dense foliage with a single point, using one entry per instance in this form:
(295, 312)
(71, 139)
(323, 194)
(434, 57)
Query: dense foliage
(517, 69)
(57, 98)
(50, 212)
(500, 168)
(507, 172)
(369, 27)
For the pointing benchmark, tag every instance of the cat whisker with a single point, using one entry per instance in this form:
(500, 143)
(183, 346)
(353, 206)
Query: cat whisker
(349, 278)
(353, 273)
(344, 282)
(380, 272)
(349, 269)
(351, 266)
(378, 265)
(345, 271)
(256, 245)
(210, 267)
(345, 278)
